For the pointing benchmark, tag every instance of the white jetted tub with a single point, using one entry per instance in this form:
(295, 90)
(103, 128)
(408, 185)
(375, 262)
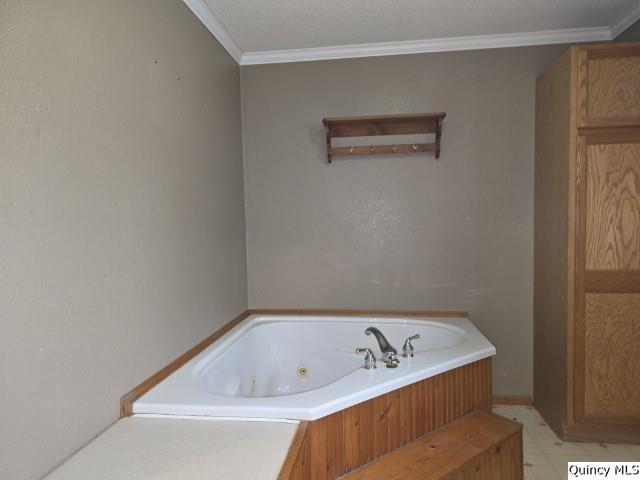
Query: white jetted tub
(306, 367)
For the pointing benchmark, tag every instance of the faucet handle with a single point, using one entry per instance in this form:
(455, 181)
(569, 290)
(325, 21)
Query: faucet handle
(369, 358)
(407, 348)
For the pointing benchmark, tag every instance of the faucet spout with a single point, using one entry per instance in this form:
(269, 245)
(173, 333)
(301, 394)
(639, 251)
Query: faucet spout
(389, 354)
(385, 346)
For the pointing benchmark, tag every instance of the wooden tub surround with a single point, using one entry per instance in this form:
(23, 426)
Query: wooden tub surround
(479, 446)
(339, 443)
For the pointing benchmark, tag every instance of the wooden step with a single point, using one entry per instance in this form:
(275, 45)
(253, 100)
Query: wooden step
(479, 446)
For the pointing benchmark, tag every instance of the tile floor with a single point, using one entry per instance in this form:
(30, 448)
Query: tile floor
(546, 456)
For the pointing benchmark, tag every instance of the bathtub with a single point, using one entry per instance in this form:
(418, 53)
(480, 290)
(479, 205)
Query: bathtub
(305, 367)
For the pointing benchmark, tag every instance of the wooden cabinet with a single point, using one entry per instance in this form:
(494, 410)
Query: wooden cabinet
(587, 244)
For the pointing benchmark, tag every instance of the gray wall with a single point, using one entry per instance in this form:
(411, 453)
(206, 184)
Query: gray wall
(121, 211)
(399, 232)
(631, 34)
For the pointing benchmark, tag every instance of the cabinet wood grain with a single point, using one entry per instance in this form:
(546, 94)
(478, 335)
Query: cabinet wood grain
(587, 243)
(612, 343)
(608, 85)
(614, 96)
(613, 206)
(552, 227)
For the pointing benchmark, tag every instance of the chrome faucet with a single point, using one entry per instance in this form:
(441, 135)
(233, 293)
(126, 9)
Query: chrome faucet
(407, 348)
(369, 358)
(389, 354)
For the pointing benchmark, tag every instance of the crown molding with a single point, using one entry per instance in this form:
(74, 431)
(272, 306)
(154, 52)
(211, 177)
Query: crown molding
(476, 42)
(449, 44)
(215, 26)
(625, 22)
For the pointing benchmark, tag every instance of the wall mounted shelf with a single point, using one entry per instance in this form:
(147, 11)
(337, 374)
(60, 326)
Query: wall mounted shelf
(408, 124)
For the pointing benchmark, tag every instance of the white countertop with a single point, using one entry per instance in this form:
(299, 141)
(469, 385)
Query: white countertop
(168, 449)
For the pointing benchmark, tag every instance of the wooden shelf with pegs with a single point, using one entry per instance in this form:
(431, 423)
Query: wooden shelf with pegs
(408, 124)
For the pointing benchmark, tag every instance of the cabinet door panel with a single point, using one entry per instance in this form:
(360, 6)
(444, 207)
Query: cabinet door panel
(607, 286)
(612, 347)
(610, 86)
(613, 207)
(614, 95)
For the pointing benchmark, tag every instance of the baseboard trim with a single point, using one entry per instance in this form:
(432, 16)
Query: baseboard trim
(512, 400)
(628, 434)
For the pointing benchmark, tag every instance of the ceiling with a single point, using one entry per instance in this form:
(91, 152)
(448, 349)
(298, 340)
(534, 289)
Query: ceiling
(273, 31)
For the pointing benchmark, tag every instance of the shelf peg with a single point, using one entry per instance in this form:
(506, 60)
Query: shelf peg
(394, 147)
(351, 150)
(415, 147)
